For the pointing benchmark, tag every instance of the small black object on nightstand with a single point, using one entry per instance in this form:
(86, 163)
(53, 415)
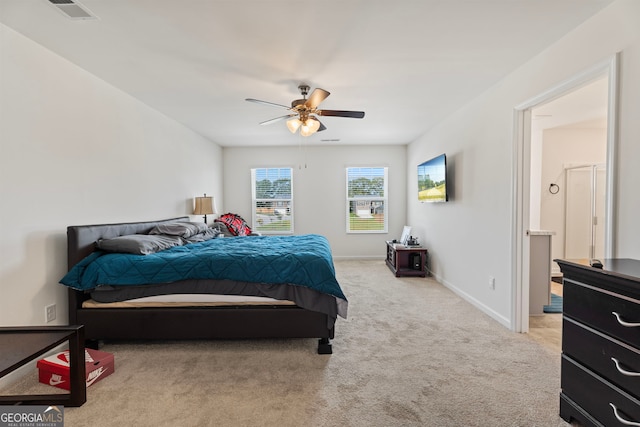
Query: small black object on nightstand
(595, 263)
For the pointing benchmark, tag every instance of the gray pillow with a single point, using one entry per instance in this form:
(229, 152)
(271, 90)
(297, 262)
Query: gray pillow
(222, 229)
(183, 229)
(141, 244)
(208, 234)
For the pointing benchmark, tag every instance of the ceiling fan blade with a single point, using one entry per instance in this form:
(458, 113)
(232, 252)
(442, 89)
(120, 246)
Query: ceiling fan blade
(267, 103)
(341, 113)
(317, 96)
(277, 119)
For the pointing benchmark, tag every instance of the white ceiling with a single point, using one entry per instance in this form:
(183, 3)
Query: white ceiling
(586, 106)
(407, 64)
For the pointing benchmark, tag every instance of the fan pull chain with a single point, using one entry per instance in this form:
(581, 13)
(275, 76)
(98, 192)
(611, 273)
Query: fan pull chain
(302, 153)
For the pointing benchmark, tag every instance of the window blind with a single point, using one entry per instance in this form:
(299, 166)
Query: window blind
(367, 199)
(272, 196)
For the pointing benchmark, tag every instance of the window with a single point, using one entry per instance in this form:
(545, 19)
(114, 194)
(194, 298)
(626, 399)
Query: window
(367, 200)
(272, 196)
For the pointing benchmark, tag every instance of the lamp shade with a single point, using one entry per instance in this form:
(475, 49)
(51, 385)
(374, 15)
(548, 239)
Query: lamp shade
(293, 125)
(204, 206)
(309, 127)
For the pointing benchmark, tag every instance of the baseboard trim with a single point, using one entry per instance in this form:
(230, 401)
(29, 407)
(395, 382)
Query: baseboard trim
(504, 321)
(357, 257)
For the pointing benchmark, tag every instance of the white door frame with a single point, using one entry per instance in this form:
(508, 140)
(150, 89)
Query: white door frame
(521, 177)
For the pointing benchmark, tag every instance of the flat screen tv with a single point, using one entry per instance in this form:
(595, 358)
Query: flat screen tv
(432, 180)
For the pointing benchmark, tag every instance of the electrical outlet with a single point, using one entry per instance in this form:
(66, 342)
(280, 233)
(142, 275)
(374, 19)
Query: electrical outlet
(50, 313)
(492, 283)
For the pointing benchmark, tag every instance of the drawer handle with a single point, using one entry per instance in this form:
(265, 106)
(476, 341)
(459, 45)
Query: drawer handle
(624, 371)
(623, 323)
(622, 420)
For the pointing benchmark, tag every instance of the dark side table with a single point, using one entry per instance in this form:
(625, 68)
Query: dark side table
(406, 260)
(20, 345)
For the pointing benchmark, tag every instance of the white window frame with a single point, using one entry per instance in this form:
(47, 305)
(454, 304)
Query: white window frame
(256, 217)
(361, 170)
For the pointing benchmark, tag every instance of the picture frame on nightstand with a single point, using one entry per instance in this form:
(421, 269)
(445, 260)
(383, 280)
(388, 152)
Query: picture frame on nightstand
(406, 233)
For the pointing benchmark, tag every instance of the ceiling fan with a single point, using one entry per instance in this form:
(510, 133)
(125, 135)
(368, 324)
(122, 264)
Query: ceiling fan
(304, 111)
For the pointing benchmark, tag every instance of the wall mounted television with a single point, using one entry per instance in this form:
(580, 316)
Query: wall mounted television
(432, 180)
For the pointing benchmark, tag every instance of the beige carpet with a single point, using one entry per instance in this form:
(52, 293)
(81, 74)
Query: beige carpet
(412, 353)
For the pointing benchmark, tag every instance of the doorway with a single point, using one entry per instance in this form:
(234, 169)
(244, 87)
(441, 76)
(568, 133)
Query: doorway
(530, 183)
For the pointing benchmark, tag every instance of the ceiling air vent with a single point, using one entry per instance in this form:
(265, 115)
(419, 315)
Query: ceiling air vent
(72, 9)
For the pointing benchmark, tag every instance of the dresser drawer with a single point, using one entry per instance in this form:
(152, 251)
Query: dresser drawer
(617, 362)
(602, 400)
(603, 311)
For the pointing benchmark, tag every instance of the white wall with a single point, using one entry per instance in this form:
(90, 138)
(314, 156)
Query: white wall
(75, 150)
(469, 238)
(536, 187)
(563, 147)
(319, 190)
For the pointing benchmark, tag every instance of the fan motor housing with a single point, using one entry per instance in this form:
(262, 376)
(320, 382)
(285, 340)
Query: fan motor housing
(297, 102)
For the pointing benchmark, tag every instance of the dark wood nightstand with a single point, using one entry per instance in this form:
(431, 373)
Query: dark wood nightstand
(406, 261)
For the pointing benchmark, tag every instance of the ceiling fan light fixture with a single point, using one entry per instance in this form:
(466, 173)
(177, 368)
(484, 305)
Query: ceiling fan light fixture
(305, 131)
(314, 124)
(309, 127)
(293, 125)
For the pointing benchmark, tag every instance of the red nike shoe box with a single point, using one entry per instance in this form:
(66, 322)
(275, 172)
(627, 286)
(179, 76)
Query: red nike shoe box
(54, 370)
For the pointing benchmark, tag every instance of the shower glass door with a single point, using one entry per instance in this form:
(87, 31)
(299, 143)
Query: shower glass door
(585, 212)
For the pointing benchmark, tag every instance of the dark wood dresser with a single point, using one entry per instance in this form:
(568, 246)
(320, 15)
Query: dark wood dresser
(600, 377)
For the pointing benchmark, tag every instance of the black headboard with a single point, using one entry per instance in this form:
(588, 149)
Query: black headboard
(81, 238)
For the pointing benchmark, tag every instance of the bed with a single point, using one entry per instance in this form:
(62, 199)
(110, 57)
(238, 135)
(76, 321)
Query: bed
(253, 303)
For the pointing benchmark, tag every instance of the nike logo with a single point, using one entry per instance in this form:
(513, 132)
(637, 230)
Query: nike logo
(93, 376)
(55, 380)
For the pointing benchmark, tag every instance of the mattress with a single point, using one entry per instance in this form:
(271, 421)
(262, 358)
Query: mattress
(188, 300)
(304, 297)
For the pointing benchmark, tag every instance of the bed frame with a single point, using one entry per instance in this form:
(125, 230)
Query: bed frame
(182, 323)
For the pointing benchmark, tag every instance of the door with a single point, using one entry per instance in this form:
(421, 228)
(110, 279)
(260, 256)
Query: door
(585, 212)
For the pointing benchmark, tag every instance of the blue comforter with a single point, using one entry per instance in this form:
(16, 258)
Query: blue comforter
(301, 260)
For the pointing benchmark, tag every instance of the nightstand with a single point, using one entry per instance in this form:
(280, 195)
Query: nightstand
(406, 261)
